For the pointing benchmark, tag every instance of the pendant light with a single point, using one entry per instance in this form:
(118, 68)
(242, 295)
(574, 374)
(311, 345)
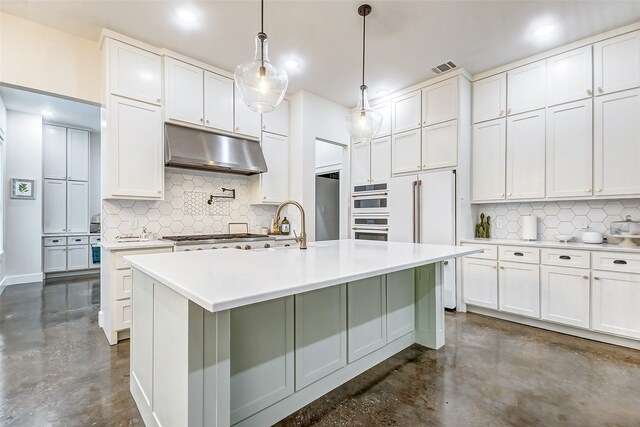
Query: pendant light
(261, 84)
(363, 122)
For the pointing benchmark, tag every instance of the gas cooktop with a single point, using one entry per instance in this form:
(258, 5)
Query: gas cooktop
(195, 238)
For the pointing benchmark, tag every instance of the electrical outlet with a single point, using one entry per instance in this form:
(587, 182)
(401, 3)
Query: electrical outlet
(499, 223)
(133, 223)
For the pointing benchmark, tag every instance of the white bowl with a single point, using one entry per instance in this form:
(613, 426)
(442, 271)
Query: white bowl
(564, 238)
(592, 237)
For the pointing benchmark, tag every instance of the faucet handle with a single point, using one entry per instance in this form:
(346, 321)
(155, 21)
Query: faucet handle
(298, 239)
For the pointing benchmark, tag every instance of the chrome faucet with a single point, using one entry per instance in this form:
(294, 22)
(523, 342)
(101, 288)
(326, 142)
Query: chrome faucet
(302, 239)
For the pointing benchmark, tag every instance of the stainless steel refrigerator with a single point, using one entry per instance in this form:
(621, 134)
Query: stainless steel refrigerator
(422, 209)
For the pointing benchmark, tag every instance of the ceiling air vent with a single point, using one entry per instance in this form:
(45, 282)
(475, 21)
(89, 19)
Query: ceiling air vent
(444, 67)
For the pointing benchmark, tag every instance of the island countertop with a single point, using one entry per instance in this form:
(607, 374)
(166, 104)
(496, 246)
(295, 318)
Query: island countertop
(227, 278)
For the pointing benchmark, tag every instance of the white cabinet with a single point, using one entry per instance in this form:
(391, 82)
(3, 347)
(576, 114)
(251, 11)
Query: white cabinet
(519, 289)
(400, 304)
(3, 119)
(77, 155)
(488, 160)
(616, 63)
(134, 73)
(262, 356)
(77, 207)
(277, 121)
(134, 165)
(490, 98)
(218, 102)
(526, 88)
(617, 144)
(54, 152)
(440, 102)
(564, 295)
(321, 333)
(406, 112)
(184, 92)
(406, 152)
(366, 316)
(569, 150)
(569, 76)
(55, 259)
(440, 145)
(480, 282)
(247, 122)
(361, 163)
(381, 159)
(615, 302)
(526, 155)
(385, 126)
(54, 206)
(272, 186)
(77, 257)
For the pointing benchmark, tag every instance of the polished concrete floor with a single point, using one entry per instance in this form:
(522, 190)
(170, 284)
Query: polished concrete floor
(57, 369)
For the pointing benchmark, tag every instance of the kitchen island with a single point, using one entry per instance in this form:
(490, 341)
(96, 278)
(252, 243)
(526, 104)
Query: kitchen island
(232, 337)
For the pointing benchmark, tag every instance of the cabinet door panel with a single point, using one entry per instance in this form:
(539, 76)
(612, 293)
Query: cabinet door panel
(77, 207)
(77, 155)
(246, 121)
(385, 127)
(135, 73)
(366, 317)
(361, 163)
(55, 206)
(277, 121)
(616, 298)
(218, 102)
(55, 259)
(569, 76)
(526, 156)
(54, 141)
(488, 160)
(275, 182)
(400, 304)
(381, 159)
(406, 153)
(440, 102)
(490, 98)
(565, 295)
(480, 282)
(77, 257)
(526, 88)
(519, 289)
(406, 112)
(616, 63)
(569, 150)
(185, 89)
(617, 144)
(440, 145)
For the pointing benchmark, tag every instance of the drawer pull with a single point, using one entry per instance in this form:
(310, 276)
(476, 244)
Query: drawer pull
(78, 240)
(55, 241)
(620, 261)
(518, 254)
(585, 277)
(446, 263)
(565, 257)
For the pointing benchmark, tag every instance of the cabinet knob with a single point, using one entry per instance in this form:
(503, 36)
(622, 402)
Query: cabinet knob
(588, 190)
(494, 267)
(418, 166)
(207, 121)
(589, 92)
(600, 90)
(501, 268)
(237, 128)
(598, 189)
(264, 126)
(424, 123)
(158, 99)
(508, 110)
(585, 277)
(446, 263)
(264, 197)
(201, 120)
(509, 194)
(501, 194)
(501, 113)
(159, 191)
(596, 278)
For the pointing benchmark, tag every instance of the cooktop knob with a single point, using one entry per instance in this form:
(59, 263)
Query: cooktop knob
(213, 247)
(267, 245)
(224, 247)
(247, 247)
(199, 249)
(238, 247)
(187, 250)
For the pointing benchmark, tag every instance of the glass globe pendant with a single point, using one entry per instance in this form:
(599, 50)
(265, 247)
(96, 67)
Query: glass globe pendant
(261, 84)
(363, 122)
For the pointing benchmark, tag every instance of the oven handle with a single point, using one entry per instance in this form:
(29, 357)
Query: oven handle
(370, 229)
(370, 195)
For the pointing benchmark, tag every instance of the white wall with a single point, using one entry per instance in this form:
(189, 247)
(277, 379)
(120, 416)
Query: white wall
(23, 218)
(42, 58)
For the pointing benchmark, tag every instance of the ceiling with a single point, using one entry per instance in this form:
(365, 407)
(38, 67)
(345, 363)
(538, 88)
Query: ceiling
(405, 38)
(63, 111)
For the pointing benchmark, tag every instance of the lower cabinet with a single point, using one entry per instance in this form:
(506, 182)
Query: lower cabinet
(77, 257)
(564, 295)
(616, 299)
(262, 356)
(400, 304)
(519, 288)
(122, 314)
(366, 307)
(55, 259)
(480, 282)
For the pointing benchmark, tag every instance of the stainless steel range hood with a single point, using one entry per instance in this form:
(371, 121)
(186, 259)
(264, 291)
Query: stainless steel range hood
(196, 149)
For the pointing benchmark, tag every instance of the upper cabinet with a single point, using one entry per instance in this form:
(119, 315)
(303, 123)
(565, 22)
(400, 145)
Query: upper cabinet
(54, 142)
(488, 160)
(247, 121)
(440, 102)
(526, 88)
(406, 112)
(569, 76)
(361, 163)
(3, 119)
(277, 121)
(185, 92)
(490, 98)
(616, 63)
(526, 155)
(77, 155)
(440, 145)
(272, 187)
(134, 73)
(218, 102)
(406, 152)
(371, 161)
(385, 110)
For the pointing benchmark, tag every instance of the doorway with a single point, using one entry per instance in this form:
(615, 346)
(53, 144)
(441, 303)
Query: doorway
(328, 206)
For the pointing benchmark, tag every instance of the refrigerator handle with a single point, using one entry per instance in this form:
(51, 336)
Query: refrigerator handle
(415, 207)
(418, 212)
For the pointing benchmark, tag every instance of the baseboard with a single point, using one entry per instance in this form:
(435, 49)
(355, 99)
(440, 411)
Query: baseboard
(3, 284)
(100, 319)
(23, 278)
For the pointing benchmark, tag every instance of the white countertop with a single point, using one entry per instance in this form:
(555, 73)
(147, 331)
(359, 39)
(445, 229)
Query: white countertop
(227, 278)
(114, 246)
(554, 244)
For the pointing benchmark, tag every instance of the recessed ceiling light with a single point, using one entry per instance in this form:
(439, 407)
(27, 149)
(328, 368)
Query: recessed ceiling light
(545, 30)
(292, 64)
(187, 16)
(382, 92)
(46, 113)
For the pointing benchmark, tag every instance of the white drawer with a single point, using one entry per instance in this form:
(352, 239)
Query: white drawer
(78, 240)
(121, 314)
(565, 258)
(488, 251)
(280, 243)
(119, 255)
(616, 261)
(519, 254)
(94, 240)
(122, 284)
(55, 241)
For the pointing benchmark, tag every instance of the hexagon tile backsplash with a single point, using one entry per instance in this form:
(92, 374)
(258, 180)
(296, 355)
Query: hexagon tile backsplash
(562, 217)
(184, 209)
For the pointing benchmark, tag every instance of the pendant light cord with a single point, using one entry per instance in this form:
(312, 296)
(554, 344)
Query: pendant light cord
(364, 37)
(263, 36)
(262, 16)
